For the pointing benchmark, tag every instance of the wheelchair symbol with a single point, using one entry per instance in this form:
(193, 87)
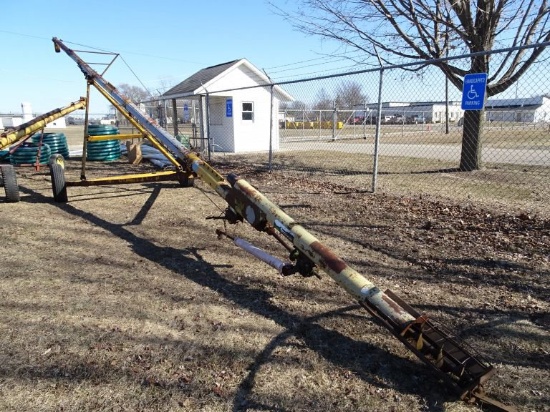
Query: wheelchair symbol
(472, 94)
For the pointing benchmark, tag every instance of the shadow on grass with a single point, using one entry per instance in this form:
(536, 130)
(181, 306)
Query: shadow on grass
(369, 362)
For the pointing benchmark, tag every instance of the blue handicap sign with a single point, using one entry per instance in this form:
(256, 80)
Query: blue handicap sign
(473, 91)
(229, 108)
(185, 112)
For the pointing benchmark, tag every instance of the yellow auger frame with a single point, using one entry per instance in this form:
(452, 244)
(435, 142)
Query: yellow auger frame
(20, 133)
(463, 370)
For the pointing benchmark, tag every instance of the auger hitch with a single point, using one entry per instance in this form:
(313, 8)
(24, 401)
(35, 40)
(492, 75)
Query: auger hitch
(460, 368)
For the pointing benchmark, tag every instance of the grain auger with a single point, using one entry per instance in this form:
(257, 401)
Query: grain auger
(465, 371)
(22, 132)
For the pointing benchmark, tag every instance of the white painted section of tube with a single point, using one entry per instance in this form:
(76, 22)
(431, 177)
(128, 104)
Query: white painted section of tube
(260, 254)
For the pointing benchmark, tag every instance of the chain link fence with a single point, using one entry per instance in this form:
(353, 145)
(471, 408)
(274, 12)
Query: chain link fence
(397, 130)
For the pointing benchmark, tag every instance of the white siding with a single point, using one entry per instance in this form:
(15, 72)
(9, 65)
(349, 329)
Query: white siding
(233, 134)
(12, 121)
(252, 135)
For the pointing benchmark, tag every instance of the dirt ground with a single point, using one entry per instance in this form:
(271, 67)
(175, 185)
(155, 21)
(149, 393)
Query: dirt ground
(123, 299)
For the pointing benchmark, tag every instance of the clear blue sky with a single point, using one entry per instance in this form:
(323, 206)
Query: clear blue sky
(162, 42)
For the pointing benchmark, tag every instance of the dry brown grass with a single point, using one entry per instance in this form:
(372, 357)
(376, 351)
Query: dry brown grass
(123, 299)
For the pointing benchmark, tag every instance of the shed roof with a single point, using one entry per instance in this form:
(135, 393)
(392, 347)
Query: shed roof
(200, 82)
(200, 78)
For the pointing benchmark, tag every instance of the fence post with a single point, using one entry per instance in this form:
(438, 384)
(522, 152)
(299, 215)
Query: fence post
(320, 121)
(303, 121)
(364, 120)
(208, 141)
(204, 132)
(270, 161)
(377, 133)
(334, 119)
(175, 117)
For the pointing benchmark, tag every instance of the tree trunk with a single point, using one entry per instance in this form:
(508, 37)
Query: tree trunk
(470, 157)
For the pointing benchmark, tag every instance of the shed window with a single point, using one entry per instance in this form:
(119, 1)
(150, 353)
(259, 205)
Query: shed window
(248, 111)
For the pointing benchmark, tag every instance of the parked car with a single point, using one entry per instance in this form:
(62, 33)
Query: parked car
(357, 120)
(398, 119)
(416, 119)
(384, 119)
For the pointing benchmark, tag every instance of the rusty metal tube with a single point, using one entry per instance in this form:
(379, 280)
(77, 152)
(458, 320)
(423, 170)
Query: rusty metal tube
(348, 278)
(249, 203)
(352, 281)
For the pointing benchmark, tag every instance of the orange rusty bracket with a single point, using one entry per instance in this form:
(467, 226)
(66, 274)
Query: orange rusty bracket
(420, 320)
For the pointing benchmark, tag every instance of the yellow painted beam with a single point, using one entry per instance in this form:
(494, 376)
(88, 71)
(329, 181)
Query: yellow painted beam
(20, 132)
(133, 178)
(114, 137)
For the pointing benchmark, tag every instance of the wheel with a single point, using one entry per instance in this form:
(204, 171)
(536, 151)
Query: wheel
(57, 173)
(57, 158)
(10, 183)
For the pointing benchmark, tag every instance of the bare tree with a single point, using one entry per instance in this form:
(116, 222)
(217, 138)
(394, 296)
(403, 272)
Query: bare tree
(323, 101)
(135, 93)
(405, 30)
(349, 94)
(292, 105)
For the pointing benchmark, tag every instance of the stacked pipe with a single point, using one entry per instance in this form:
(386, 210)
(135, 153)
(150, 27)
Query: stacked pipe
(56, 141)
(103, 150)
(29, 152)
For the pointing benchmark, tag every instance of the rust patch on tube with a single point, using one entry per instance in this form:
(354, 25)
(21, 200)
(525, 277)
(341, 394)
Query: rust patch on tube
(332, 261)
(393, 304)
(246, 188)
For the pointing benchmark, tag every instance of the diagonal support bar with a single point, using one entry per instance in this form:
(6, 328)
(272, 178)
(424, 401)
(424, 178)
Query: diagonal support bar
(9, 137)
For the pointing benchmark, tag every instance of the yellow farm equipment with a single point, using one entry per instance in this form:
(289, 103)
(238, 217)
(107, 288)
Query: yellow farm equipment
(464, 370)
(22, 132)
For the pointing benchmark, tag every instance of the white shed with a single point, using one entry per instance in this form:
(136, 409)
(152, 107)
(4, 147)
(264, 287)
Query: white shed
(237, 114)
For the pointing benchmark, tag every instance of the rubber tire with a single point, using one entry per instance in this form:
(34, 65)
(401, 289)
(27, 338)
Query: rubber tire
(57, 158)
(59, 186)
(9, 180)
